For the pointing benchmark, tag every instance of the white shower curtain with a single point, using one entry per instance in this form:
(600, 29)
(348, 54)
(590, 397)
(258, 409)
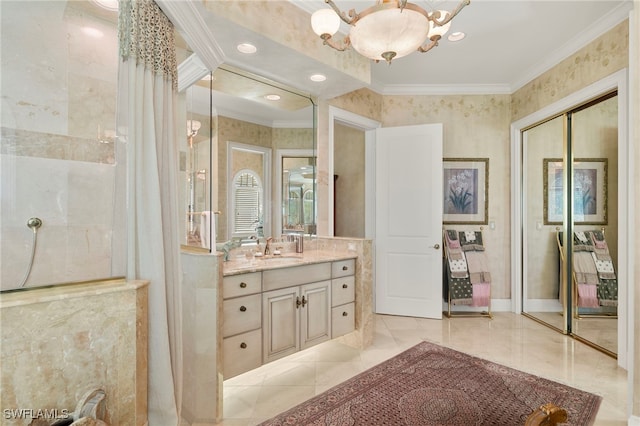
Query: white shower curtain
(147, 102)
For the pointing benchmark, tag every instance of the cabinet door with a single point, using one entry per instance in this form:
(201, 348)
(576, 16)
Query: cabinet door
(280, 322)
(315, 315)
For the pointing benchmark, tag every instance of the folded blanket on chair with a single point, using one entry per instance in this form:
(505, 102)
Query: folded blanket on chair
(585, 268)
(469, 243)
(457, 264)
(477, 267)
(587, 296)
(600, 247)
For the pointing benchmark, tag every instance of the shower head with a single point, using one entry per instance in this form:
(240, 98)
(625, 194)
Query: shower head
(34, 223)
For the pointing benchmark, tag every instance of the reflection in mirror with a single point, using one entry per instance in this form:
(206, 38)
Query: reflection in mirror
(298, 181)
(195, 162)
(249, 177)
(586, 304)
(234, 104)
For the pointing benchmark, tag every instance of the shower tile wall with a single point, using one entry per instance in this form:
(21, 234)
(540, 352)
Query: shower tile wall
(57, 136)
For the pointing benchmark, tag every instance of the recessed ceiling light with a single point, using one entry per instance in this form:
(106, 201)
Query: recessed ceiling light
(318, 77)
(247, 48)
(272, 97)
(111, 5)
(457, 36)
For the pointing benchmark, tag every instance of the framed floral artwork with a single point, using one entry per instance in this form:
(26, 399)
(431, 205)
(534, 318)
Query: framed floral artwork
(589, 193)
(466, 191)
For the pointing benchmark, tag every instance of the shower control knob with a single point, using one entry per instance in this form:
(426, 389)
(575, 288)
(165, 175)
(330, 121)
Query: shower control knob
(34, 223)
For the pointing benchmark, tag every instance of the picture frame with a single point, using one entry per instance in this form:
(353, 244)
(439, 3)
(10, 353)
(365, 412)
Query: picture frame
(465, 191)
(590, 191)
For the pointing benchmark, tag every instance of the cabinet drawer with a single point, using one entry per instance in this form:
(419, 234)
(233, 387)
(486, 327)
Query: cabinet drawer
(241, 285)
(342, 320)
(342, 290)
(343, 268)
(241, 314)
(274, 279)
(241, 353)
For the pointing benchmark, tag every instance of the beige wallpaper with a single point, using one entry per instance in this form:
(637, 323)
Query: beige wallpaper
(479, 126)
(600, 58)
(348, 164)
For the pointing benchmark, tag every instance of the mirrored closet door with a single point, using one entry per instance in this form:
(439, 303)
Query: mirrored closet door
(570, 238)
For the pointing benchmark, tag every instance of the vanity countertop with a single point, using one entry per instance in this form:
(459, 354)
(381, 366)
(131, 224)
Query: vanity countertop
(285, 260)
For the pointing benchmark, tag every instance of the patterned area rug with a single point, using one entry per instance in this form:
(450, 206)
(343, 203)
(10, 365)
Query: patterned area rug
(433, 385)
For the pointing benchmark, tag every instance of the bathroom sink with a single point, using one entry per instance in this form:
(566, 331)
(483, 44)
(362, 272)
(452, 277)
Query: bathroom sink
(282, 258)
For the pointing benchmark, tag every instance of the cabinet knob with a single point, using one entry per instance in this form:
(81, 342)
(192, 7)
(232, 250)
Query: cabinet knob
(243, 308)
(344, 314)
(243, 285)
(304, 301)
(298, 303)
(345, 286)
(345, 268)
(243, 345)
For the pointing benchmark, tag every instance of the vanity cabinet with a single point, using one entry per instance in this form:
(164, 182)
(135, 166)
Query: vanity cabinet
(295, 318)
(241, 323)
(273, 313)
(296, 309)
(342, 297)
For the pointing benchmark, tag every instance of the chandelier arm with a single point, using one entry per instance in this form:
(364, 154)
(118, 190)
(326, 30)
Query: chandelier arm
(428, 47)
(402, 4)
(336, 45)
(453, 14)
(352, 13)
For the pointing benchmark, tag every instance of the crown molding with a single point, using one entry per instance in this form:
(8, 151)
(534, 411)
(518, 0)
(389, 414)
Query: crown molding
(274, 124)
(187, 16)
(442, 89)
(604, 24)
(190, 71)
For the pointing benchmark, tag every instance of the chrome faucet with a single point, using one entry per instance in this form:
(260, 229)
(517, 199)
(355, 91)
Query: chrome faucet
(267, 249)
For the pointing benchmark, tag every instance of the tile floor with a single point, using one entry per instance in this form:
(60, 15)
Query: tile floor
(508, 339)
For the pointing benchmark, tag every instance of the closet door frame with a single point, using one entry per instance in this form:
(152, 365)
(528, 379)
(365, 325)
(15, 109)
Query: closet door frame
(616, 81)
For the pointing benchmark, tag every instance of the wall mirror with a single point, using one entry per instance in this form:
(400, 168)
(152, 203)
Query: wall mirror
(250, 117)
(571, 283)
(297, 182)
(249, 189)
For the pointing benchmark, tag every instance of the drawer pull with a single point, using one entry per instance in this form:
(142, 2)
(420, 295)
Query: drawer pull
(345, 268)
(344, 314)
(243, 345)
(345, 286)
(243, 285)
(243, 308)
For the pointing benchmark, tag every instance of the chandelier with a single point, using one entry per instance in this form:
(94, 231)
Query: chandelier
(390, 29)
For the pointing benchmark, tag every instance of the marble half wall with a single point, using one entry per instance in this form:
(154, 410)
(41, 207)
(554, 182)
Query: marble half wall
(60, 342)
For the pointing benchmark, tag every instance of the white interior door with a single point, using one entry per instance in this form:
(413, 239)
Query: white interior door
(409, 220)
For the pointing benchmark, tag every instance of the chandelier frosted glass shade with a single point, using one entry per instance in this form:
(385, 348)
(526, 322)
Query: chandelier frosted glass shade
(389, 33)
(325, 21)
(390, 29)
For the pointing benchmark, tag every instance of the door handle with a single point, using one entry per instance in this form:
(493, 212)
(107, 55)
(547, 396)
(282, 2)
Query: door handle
(436, 246)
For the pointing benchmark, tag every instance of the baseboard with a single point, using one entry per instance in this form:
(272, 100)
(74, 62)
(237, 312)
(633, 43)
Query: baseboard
(634, 421)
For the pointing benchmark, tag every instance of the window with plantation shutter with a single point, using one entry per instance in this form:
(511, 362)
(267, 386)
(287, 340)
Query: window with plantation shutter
(247, 203)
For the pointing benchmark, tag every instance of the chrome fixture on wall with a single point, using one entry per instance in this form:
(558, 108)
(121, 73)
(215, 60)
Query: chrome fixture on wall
(390, 29)
(33, 223)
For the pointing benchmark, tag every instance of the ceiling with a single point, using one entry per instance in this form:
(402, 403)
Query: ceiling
(507, 44)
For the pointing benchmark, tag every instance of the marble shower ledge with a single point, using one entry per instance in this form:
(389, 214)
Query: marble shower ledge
(34, 295)
(286, 260)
